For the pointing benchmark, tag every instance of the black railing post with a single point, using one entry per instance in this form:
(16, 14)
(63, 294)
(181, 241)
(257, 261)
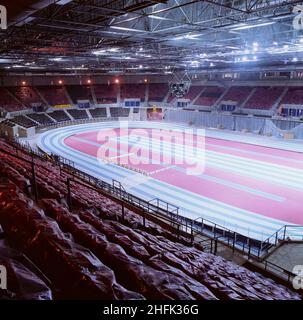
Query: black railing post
(249, 247)
(69, 195)
(192, 234)
(123, 211)
(144, 218)
(216, 247)
(34, 182)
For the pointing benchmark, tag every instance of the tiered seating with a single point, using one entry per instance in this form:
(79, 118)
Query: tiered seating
(7, 123)
(157, 91)
(23, 121)
(129, 91)
(106, 94)
(8, 103)
(27, 95)
(55, 95)
(79, 93)
(98, 113)
(294, 95)
(209, 96)
(237, 94)
(78, 114)
(41, 118)
(59, 116)
(191, 94)
(264, 98)
(119, 112)
(23, 282)
(108, 256)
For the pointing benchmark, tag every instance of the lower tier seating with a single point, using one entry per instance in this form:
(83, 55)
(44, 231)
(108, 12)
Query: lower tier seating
(41, 118)
(59, 116)
(78, 114)
(23, 121)
(98, 113)
(96, 252)
(119, 112)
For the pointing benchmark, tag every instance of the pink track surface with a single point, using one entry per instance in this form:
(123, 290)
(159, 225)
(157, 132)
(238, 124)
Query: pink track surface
(289, 209)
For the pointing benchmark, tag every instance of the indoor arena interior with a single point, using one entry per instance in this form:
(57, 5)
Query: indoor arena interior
(151, 150)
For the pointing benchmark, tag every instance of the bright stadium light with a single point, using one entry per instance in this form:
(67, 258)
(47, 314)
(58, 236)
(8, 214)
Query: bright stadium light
(250, 26)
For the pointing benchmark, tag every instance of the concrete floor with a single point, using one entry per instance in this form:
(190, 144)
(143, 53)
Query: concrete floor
(287, 256)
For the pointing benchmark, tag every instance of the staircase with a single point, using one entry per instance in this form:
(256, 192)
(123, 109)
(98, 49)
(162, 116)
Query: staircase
(15, 98)
(68, 96)
(248, 97)
(88, 114)
(93, 95)
(41, 96)
(221, 97)
(193, 102)
(277, 103)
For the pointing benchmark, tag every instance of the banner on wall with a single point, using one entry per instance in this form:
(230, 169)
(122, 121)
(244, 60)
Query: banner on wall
(154, 113)
(62, 106)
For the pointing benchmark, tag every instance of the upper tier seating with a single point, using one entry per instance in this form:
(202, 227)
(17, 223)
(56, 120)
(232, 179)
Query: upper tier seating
(191, 94)
(106, 94)
(54, 95)
(8, 103)
(41, 118)
(294, 95)
(157, 91)
(106, 256)
(119, 112)
(237, 94)
(27, 95)
(209, 96)
(129, 91)
(264, 98)
(79, 93)
(78, 114)
(59, 116)
(23, 121)
(98, 112)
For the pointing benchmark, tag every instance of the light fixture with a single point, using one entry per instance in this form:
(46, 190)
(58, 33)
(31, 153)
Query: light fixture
(250, 26)
(127, 29)
(156, 17)
(24, 83)
(117, 81)
(60, 82)
(98, 52)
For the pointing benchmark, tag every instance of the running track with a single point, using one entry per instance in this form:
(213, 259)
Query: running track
(252, 189)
